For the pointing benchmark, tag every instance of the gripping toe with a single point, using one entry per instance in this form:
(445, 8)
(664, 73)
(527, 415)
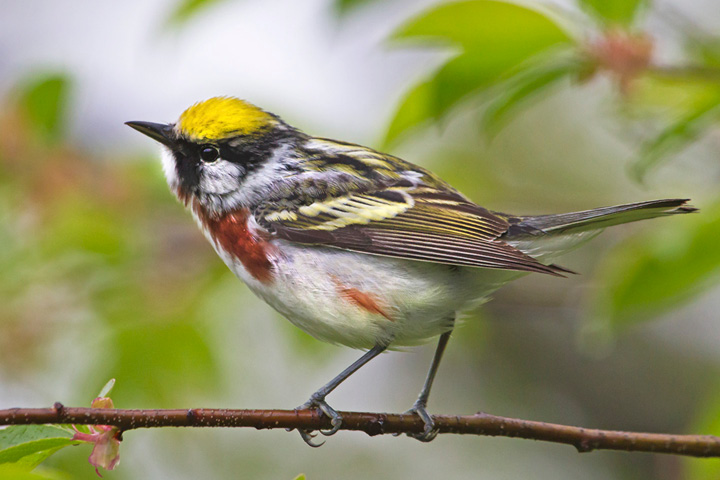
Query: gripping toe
(327, 410)
(430, 431)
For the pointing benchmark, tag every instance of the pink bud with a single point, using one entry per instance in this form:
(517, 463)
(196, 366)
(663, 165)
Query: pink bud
(102, 402)
(106, 438)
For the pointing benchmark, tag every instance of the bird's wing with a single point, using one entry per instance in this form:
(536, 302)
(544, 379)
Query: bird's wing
(417, 222)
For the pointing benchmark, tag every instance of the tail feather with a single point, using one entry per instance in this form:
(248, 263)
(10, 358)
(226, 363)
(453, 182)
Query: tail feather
(599, 218)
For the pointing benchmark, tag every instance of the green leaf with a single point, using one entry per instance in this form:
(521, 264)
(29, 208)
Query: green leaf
(679, 134)
(651, 273)
(12, 471)
(29, 445)
(414, 110)
(460, 77)
(105, 391)
(18, 434)
(520, 89)
(620, 12)
(343, 7)
(495, 37)
(709, 52)
(675, 93)
(477, 24)
(185, 10)
(44, 101)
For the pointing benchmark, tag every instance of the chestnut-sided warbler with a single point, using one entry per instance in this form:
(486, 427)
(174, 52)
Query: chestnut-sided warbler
(355, 246)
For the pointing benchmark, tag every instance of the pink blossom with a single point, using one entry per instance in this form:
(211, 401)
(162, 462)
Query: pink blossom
(106, 451)
(624, 54)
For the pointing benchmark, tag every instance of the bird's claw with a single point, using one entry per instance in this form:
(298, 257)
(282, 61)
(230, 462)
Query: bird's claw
(430, 431)
(308, 436)
(331, 413)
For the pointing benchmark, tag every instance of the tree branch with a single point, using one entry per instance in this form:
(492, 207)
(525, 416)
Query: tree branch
(583, 439)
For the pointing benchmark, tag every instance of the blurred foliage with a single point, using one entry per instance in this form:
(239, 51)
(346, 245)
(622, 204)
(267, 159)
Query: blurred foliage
(510, 53)
(344, 7)
(514, 94)
(185, 10)
(690, 102)
(74, 231)
(707, 49)
(621, 12)
(513, 52)
(45, 100)
(708, 424)
(682, 254)
(682, 131)
(14, 471)
(495, 39)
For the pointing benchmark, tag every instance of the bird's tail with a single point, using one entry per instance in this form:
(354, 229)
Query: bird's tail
(596, 219)
(546, 236)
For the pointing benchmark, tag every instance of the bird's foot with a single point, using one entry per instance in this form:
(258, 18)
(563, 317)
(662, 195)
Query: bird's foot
(430, 431)
(318, 401)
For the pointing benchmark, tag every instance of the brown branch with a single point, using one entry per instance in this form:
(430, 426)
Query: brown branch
(583, 439)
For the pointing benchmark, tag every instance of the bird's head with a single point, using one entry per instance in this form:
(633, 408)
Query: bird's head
(214, 147)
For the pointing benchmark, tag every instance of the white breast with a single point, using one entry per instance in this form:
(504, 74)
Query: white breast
(314, 286)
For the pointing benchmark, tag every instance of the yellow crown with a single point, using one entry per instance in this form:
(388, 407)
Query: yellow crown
(222, 117)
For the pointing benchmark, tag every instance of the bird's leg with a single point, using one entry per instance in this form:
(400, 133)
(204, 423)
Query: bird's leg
(317, 399)
(420, 405)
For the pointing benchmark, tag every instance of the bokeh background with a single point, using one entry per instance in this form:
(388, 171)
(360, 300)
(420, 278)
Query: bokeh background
(541, 108)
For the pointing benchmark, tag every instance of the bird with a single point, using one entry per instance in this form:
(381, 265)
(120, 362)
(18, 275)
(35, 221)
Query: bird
(354, 246)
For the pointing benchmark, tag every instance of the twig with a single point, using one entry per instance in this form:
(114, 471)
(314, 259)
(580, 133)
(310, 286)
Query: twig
(583, 439)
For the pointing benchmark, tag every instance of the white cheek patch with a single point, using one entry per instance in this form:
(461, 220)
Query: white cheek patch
(220, 177)
(225, 186)
(258, 184)
(169, 168)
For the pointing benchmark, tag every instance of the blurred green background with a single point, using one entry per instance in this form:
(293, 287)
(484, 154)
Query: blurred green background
(540, 108)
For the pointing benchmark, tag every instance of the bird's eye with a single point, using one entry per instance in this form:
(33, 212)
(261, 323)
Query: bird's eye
(209, 154)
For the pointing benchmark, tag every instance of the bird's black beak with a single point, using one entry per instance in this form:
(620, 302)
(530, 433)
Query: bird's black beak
(161, 132)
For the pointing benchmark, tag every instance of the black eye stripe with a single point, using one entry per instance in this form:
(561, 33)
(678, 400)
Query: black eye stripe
(186, 169)
(209, 153)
